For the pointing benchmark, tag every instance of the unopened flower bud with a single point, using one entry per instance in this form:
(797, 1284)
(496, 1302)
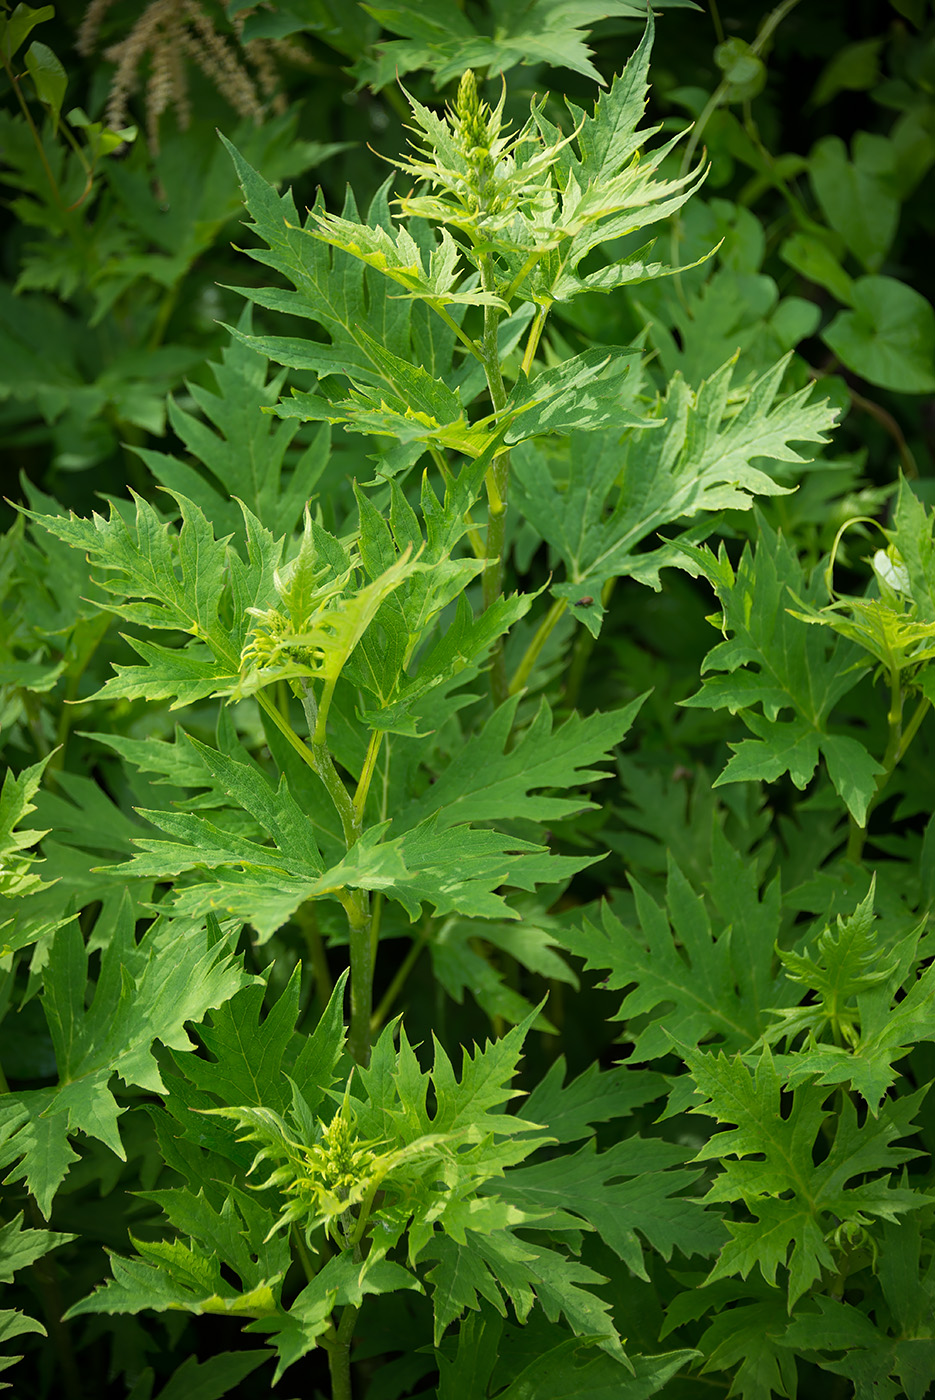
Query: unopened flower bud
(467, 104)
(471, 115)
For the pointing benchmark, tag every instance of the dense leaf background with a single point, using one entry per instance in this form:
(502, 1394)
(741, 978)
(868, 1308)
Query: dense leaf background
(658, 924)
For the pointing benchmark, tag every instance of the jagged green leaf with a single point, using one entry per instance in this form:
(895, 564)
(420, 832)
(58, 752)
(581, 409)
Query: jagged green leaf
(870, 1002)
(499, 1264)
(598, 514)
(19, 1247)
(216, 1376)
(570, 1111)
(251, 1059)
(16, 859)
(185, 581)
(446, 41)
(587, 392)
(533, 940)
(185, 1273)
(332, 288)
(767, 1162)
(146, 993)
(243, 448)
(632, 1187)
(573, 1369)
(771, 660)
(718, 977)
(487, 781)
(883, 1362)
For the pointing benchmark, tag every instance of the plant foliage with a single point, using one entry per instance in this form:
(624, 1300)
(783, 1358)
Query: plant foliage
(437, 960)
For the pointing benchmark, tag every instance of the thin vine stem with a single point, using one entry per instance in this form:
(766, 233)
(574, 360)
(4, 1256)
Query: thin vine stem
(302, 1254)
(322, 763)
(388, 1000)
(366, 776)
(307, 921)
(716, 20)
(896, 751)
(37, 139)
(886, 420)
(533, 651)
(764, 34)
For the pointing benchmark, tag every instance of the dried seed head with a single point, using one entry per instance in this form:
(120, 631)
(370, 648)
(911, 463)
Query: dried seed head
(169, 32)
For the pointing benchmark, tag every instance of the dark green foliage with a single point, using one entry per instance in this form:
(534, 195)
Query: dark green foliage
(466, 846)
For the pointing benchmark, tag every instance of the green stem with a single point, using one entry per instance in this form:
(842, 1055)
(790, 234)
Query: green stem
(581, 653)
(322, 764)
(535, 334)
(302, 1253)
(474, 535)
(911, 729)
(163, 315)
(770, 24)
(388, 999)
(339, 1355)
(37, 140)
(493, 574)
(357, 907)
(531, 655)
(339, 1346)
(716, 21)
(305, 917)
(899, 741)
(452, 324)
(356, 902)
(33, 712)
(321, 727)
(285, 729)
(498, 485)
(366, 776)
(375, 917)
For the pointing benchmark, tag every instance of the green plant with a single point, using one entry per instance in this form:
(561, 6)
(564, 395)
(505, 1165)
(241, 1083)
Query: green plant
(389, 757)
(116, 240)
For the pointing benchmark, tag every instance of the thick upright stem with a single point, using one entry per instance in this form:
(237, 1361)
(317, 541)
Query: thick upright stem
(356, 902)
(498, 486)
(339, 1369)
